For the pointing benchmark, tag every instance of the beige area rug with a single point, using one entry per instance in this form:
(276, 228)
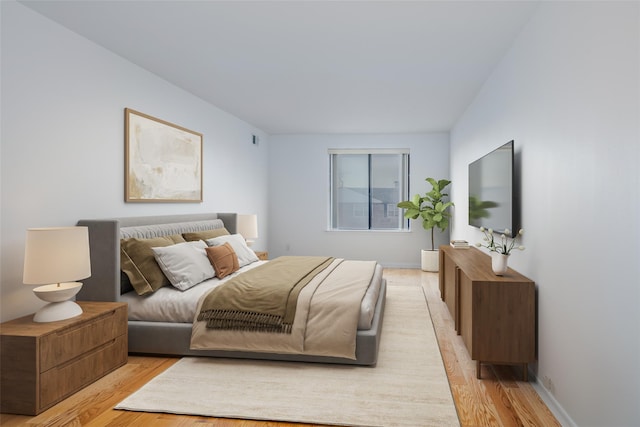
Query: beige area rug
(408, 386)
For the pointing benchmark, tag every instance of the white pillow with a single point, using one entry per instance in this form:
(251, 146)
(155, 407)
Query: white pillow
(244, 254)
(184, 264)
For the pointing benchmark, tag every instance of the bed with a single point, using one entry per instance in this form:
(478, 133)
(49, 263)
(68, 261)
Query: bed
(150, 333)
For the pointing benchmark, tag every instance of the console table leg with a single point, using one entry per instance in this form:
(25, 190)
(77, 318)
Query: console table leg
(525, 372)
(478, 369)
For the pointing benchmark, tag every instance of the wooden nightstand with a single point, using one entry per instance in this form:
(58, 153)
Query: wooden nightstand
(43, 363)
(262, 255)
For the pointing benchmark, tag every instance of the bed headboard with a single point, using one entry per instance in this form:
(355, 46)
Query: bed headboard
(104, 243)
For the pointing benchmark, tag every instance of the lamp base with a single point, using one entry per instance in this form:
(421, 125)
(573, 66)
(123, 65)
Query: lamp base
(60, 307)
(55, 311)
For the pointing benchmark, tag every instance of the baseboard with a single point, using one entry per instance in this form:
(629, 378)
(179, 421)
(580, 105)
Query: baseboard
(400, 265)
(556, 409)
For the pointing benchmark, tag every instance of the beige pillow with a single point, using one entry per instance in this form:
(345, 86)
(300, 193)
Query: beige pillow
(137, 261)
(204, 235)
(223, 259)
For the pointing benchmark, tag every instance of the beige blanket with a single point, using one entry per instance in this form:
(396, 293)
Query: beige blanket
(325, 323)
(263, 299)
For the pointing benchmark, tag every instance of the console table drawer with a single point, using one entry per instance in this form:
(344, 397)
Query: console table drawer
(61, 381)
(66, 344)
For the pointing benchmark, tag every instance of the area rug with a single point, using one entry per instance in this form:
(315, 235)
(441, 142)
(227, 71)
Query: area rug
(407, 387)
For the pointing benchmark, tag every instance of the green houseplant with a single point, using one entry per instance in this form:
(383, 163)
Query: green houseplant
(433, 211)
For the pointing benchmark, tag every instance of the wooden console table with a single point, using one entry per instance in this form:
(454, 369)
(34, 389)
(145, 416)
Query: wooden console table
(495, 315)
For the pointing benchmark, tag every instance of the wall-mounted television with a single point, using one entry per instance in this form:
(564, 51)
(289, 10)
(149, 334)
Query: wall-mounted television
(493, 195)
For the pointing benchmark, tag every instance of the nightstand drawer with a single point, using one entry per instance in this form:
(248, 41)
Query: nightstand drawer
(67, 344)
(61, 381)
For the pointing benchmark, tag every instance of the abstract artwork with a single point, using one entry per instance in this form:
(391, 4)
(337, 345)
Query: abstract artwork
(163, 161)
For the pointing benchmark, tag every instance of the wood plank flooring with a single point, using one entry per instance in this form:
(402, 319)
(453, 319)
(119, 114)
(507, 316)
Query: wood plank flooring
(498, 399)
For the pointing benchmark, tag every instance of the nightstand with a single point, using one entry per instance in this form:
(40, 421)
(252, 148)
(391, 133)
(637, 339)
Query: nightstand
(262, 255)
(43, 363)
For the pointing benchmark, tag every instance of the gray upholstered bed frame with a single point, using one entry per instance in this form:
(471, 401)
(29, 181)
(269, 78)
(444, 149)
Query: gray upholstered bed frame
(174, 338)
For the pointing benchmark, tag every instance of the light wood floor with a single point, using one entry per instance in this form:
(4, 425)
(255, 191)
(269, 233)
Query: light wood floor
(498, 399)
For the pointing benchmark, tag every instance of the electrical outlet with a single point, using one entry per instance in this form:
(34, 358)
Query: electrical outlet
(548, 384)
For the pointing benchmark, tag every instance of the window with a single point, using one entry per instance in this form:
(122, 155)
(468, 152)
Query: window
(366, 186)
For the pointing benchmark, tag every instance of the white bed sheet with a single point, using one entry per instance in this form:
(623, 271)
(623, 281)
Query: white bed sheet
(169, 304)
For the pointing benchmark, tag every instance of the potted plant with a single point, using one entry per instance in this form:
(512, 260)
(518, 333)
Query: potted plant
(434, 213)
(500, 250)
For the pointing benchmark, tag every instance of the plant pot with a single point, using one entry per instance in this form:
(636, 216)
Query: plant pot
(499, 263)
(430, 261)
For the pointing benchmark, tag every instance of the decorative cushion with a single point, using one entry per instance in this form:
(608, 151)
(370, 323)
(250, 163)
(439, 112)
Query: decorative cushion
(137, 261)
(224, 260)
(245, 255)
(184, 264)
(204, 235)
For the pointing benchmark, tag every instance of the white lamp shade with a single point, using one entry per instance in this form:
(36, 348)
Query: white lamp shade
(248, 226)
(56, 255)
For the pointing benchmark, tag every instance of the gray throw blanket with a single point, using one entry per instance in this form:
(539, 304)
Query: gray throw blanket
(263, 299)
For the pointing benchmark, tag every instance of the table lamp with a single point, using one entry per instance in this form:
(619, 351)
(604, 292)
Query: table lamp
(248, 227)
(56, 257)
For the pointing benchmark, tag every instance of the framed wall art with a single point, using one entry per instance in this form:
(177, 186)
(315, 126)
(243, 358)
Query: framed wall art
(163, 161)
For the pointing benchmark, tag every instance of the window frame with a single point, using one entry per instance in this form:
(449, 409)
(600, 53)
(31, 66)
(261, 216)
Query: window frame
(403, 224)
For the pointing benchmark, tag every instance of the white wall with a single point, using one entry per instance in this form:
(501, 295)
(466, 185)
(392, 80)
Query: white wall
(63, 101)
(568, 93)
(299, 197)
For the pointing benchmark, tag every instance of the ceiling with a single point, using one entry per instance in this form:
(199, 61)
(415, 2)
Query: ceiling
(311, 66)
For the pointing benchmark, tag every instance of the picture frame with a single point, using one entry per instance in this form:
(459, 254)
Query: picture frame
(163, 161)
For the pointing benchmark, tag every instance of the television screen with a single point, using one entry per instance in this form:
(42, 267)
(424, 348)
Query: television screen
(492, 202)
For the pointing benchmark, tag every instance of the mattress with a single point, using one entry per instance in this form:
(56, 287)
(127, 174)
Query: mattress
(169, 304)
